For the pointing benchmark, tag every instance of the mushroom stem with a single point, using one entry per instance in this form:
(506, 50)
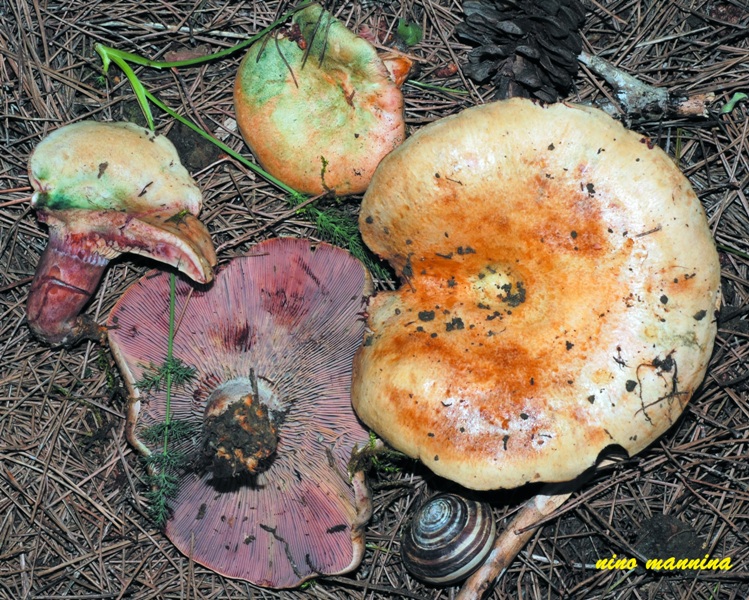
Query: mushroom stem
(363, 508)
(238, 429)
(509, 543)
(63, 283)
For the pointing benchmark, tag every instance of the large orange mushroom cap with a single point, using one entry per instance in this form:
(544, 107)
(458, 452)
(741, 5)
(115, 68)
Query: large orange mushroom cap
(318, 106)
(561, 285)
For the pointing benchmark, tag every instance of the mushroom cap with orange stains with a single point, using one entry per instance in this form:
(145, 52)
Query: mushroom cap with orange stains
(317, 106)
(560, 290)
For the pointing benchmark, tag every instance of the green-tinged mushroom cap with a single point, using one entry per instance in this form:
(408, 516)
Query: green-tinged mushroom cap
(111, 166)
(318, 106)
(104, 189)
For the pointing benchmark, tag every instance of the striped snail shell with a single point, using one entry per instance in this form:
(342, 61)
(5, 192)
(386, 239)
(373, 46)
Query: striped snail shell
(448, 539)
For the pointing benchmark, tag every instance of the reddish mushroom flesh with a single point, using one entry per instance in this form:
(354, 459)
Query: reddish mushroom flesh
(104, 189)
(280, 326)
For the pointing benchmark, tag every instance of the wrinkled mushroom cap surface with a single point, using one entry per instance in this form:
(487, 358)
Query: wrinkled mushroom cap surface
(318, 118)
(561, 289)
(289, 313)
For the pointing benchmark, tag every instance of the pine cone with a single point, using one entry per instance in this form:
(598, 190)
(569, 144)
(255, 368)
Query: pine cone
(527, 48)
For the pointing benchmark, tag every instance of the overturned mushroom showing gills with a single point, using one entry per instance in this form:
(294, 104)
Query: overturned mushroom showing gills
(317, 106)
(104, 189)
(274, 337)
(561, 289)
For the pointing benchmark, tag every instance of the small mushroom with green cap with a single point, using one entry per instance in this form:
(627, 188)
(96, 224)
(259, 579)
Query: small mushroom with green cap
(104, 189)
(562, 283)
(317, 105)
(268, 493)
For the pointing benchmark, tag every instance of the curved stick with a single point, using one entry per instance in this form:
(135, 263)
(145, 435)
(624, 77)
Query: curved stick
(641, 101)
(509, 543)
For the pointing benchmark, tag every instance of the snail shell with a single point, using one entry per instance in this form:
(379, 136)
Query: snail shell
(448, 539)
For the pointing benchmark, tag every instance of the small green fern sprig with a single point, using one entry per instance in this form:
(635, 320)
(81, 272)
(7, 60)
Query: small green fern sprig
(163, 464)
(163, 484)
(177, 430)
(154, 376)
(340, 229)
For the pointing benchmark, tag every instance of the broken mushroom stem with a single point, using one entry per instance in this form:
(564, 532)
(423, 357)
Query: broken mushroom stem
(640, 101)
(524, 525)
(239, 431)
(104, 189)
(63, 283)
